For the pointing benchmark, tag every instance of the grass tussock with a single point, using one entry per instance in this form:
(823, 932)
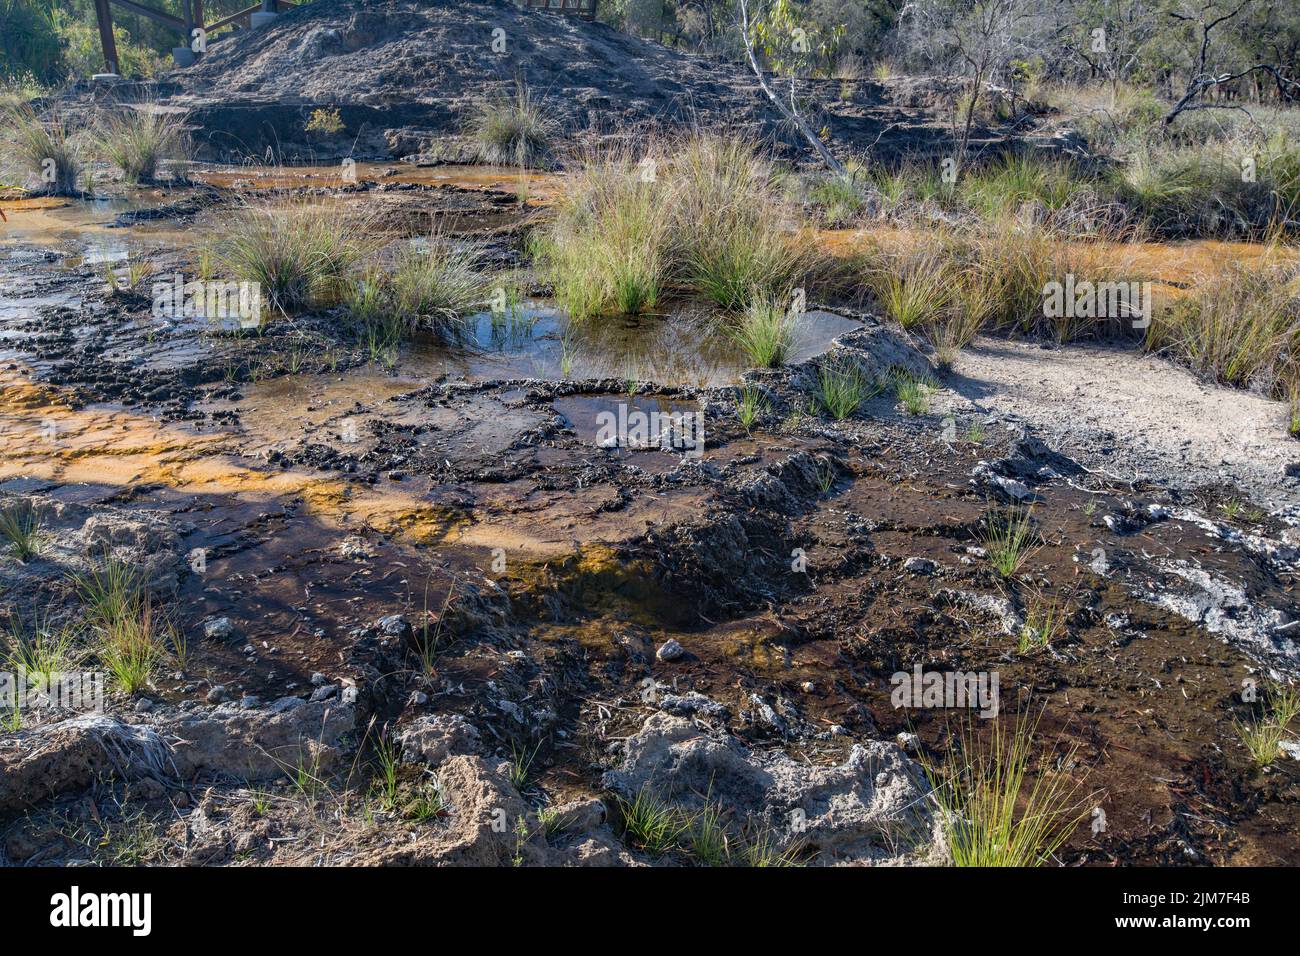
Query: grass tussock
(767, 332)
(1010, 539)
(706, 836)
(40, 651)
(948, 285)
(513, 130)
(842, 388)
(128, 633)
(431, 285)
(300, 254)
(1263, 737)
(44, 152)
(751, 406)
(703, 216)
(1242, 328)
(608, 249)
(20, 526)
(137, 142)
(1000, 806)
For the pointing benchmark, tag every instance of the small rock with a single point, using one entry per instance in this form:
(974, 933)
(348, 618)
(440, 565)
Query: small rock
(692, 703)
(670, 650)
(143, 705)
(324, 693)
(216, 628)
(249, 701)
(919, 566)
(807, 687)
(394, 625)
(218, 694)
(317, 679)
(247, 842)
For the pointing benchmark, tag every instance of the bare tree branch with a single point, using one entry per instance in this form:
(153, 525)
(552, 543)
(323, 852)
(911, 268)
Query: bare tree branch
(790, 112)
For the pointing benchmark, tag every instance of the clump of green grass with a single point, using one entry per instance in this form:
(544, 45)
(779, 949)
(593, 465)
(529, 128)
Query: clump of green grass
(766, 331)
(1262, 740)
(1009, 539)
(762, 849)
(513, 130)
(521, 763)
(41, 651)
(842, 388)
(750, 407)
(914, 392)
(707, 837)
(727, 214)
(825, 475)
(306, 775)
(133, 647)
(436, 284)
(385, 781)
(841, 196)
(300, 253)
(651, 823)
(1284, 700)
(999, 806)
(1239, 329)
(367, 303)
(432, 637)
(427, 802)
(129, 634)
(1044, 624)
(608, 247)
(128, 274)
(43, 151)
(137, 141)
(20, 525)
(914, 290)
(704, 216)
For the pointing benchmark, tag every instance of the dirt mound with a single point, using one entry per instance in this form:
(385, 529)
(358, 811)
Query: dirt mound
(405, 75)
(402, 73)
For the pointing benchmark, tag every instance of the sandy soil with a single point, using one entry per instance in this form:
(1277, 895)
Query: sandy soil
(1135, 416)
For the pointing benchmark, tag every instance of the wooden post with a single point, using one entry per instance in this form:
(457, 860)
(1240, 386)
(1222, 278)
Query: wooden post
(104, 15)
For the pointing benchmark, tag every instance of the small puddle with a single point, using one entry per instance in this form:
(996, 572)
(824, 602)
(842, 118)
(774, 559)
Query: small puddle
(632, 422)
(685, 348)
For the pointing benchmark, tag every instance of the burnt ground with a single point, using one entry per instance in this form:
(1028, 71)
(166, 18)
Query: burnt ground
(535, 575)
(405, 77)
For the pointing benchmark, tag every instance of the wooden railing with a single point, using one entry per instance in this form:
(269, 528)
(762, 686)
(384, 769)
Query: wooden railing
(191, 19)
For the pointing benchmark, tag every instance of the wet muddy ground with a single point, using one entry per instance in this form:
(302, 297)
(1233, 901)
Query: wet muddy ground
(286, 485)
